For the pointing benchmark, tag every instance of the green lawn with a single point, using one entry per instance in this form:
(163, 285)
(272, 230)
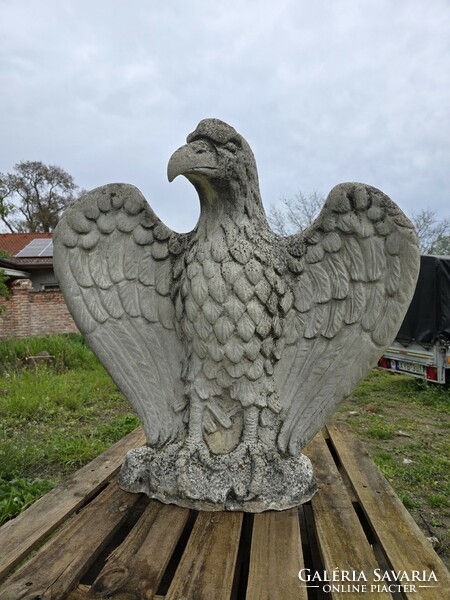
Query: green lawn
(54, 418)
(57, 417)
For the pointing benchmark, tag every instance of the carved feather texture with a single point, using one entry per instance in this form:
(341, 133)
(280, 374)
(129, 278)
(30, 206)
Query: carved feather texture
(243, 289)
(246, 327)
(288, 325)
(263, 290)
(354, 259)
(217, 288)
(89, 240)
(114, 257)
(79, 266)
(374, 257)
(94, 306)
(110, 301)
(223, 329)
(97, 269)
(148, 302)
(113, 284)
(131, 258)
(347, 307)
(355, 303)
(338, 277)
(202, 326)
(212, 310)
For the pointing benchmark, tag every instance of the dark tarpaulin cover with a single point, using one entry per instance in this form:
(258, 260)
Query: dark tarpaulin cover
(428, 316)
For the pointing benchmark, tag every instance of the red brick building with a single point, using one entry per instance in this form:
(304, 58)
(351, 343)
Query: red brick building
(36, 306)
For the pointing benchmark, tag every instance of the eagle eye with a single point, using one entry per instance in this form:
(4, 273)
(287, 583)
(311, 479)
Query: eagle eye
(230, 147)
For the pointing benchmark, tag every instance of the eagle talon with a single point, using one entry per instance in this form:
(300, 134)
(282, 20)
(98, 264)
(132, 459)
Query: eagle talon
(252, 453)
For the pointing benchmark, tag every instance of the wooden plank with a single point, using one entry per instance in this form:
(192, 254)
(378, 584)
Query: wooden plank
(57, 567)
(315, 563)
(404, 544)
(20, 535)
(138, 564)
(276, 557)
(81, 592)
(207, 566)
(342, 541)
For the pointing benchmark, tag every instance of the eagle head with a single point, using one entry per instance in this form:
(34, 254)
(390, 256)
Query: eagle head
(218, 162)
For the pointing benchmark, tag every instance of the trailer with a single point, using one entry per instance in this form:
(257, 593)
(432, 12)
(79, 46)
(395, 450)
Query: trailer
(422, 345)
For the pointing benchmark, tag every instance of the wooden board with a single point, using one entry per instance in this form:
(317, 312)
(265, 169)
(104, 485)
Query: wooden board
(342, 542)
(403, 543)
(20, 535)
(59, 564)
(136, 567)
(206, 570)
(222, 555)
(276, 558)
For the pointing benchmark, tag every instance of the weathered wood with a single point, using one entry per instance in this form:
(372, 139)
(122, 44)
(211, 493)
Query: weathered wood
(314, 558)
(215, 552)
(59, 564)
(20, 535)
(342, 541)
(81, 592)
(403, 543)
(206, 569)
(276, 558)
(136, 567)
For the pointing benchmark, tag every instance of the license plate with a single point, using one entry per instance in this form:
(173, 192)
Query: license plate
(411, 367)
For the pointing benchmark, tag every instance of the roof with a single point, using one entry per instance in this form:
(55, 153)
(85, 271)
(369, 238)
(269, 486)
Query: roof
(16, 274)
(13, 243)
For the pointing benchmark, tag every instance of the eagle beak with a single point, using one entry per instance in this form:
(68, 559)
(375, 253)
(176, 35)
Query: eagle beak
(195, 157)
(179, 162)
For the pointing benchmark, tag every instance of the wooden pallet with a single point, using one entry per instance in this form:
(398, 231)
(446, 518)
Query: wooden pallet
(89, 539)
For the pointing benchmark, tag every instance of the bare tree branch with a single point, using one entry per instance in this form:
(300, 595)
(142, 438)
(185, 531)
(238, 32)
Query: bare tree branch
(434, 233)
(297, 213)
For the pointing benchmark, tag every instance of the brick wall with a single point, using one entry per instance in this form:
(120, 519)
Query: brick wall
(33, 313)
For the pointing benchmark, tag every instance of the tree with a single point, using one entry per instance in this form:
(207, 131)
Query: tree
(434, 233)
(299, 212)
(33, 197)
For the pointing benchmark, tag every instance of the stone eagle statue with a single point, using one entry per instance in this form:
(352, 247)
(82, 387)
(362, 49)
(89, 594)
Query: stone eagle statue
(233, 344)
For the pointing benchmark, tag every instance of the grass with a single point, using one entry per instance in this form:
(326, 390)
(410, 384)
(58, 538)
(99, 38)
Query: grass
(19, 494)
(69, 351)
(53, 418)
(404, 424)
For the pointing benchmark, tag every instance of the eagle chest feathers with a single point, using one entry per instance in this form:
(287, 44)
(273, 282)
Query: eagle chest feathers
(230, 310)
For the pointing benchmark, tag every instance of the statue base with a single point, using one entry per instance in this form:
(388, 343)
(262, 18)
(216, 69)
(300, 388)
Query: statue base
(251, 478)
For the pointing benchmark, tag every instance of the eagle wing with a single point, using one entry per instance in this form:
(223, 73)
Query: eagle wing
(114, 260)
(353, 274)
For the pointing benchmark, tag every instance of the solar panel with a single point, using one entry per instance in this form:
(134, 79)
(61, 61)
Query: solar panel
(39, 247)
(48, 251)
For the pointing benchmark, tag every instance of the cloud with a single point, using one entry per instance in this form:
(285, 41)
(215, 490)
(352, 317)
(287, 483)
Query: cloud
(324, 92)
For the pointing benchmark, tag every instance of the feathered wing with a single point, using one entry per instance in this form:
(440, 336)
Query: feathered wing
(353, 273)
(113, 259)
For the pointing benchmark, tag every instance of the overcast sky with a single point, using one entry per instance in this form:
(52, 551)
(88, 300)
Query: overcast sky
(325, 91)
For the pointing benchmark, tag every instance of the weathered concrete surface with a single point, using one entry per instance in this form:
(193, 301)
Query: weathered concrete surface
(236, 481)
